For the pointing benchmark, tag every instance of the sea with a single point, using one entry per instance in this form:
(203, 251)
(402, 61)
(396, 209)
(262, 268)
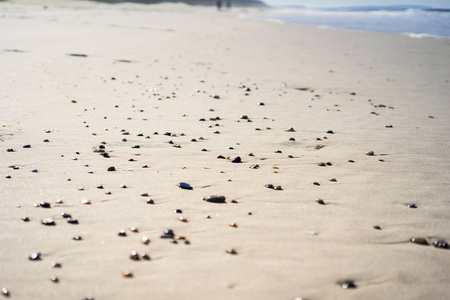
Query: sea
(414, 21)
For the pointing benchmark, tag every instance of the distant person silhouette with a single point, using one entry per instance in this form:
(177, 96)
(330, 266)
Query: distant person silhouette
(219, 5)
(229, 4)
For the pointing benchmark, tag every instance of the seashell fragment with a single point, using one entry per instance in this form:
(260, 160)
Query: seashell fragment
(5, 292)
(127, 274)
(214, 199)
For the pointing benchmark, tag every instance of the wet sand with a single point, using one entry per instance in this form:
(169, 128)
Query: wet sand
(167, 89)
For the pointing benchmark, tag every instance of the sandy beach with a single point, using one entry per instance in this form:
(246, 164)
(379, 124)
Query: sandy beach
(350, 128)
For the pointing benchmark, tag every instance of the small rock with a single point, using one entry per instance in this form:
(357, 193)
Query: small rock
(347, 284)
(441, 244)
(35, 256)
(320, 201)
(370, 153)
(185, 186)
(44, 204)
(411, 205)
(419, 241)
(48, 222)
(111, 169)
(237, 159)
(168, 234)
(231, 251)
(215, 199)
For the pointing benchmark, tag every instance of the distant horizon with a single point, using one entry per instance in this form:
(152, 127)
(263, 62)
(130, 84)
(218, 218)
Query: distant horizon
(346, 3)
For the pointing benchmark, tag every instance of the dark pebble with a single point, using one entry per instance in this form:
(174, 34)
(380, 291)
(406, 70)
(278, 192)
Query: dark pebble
(292, 139)
(254, 166)
(322, 164)
(168, 234)
(100, 186)
(77, 238)
(290, 156)
(44, 204)
(347, 284)
(136, 147)
(244, 117)
(221, 157)
(134, 255)
(237, 159)
(8, 177)
(232, 251)
(330, 132)
(377, 227)
(150, 201)
(419, 241)
(111, 169)
(46, 141)
(389, 126)
(25, 219)
(65, 215)
(185, 186)
(316, 183)
(411, 205)
(321, 202)
(178, 211)
(72, 221)
(34, 170)
(35, 256)
(26, 146)
(10, 150)
(56, 265)
(278, 151)
(269, 186)
(351, 161)
(215, 199)
(441, 244)
(260, 104)
(122, 233)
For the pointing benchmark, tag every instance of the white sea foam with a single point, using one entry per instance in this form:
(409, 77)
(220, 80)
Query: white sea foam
(414, 22)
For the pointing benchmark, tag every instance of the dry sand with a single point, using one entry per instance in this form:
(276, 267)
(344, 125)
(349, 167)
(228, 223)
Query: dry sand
(176, 58)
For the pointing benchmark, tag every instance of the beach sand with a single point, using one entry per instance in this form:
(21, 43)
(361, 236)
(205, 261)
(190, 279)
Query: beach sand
(164, 68)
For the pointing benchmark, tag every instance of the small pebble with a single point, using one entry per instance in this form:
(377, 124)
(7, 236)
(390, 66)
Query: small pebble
(144, 194)
(234, 225)
(5, 292)
(351, 161)
(25, 219)
(168, 234)
(370, 153)
(86, 202)
(178, 211)
(44, 204)
(419, 241)
(145, 240)
(322, 164)
(441, 244)
(347, 284)
(122, 233)
(231, 251)
(377, 227)
(134, 229)
(269, 186)
(320, 201)
(333, 180)
(330, 132)
(111, 169)
(48, 222)
(56, 265)
(77, 238)
(215, 199)
(35, 256)
(127, 274)
(150, 201)
(54, 278)
(411, 205)
(290, 129)
(183, 219)
(278, 188)
(185, 186)
(316, 183)
(26, 146)
(237, 159)
(134, 256)
(145, 256)
(72, 221)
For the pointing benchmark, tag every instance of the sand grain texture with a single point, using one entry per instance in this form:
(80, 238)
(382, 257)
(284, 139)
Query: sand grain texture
(146, 69)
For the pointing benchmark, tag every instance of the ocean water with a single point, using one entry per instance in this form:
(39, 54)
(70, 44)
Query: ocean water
(412, 21)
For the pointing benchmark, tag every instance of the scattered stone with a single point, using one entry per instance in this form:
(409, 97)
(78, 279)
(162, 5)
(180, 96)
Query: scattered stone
(35, 256)
(269, 186)
(377, 227)
(254, 166)
(111, 169)
(48, 222)
(321, 164)
(328, 163)
(441, 244)
(86, 202)
(260, 104)
(144, 194)
(5, 292)
(215, 199)
(72, 221)
(150, 201)
(185, 186)
(278, 188)
(234, 225)
(77, 238)
(25, 219)
(370, 153)
(127, 274)
(333, 180)
(351, 161)
(389, 126)
(330, 132)
(26, 146)
(134, 229)
(45, 204)
(419, 241)
(316, 183)
(321, 202)
(54, 278)
(168, 234)
(231, 251)
(145, 240)
(122, 233)
(347, 284)
(183, 219)
(221, 157)
(10, 150)
(244, 117)
(237, 159)
(290, 129)
(178, 211)
(56, 265)
(411, 205)
(134, 256)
